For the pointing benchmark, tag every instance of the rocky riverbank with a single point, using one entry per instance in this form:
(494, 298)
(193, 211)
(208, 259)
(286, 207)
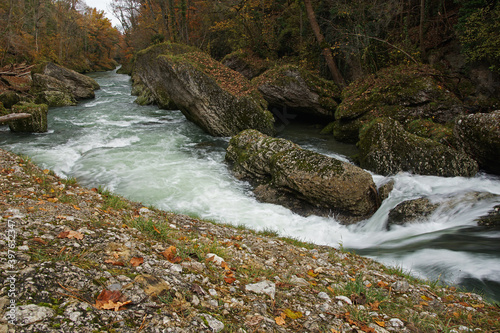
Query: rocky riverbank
(78, 259)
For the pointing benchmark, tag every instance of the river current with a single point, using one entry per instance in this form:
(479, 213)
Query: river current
(159, 158)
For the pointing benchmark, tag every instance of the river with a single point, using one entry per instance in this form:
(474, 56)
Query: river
(160, 159)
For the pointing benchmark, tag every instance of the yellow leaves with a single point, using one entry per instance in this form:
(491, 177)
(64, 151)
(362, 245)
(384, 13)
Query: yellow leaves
(287, 313)
(380, 323)
(426, 298)
(312, 274)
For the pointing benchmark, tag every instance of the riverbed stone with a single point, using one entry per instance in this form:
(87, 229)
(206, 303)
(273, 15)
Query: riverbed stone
(411, 211)
(321, 181)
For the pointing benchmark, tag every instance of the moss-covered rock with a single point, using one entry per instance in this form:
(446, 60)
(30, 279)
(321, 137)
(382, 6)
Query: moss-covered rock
(323, 183)
(479, 136)
(298, 90)
(386, 148)
(219, 100)
(427, 128)
(246, 62)
(37, 123)
(58, 86)
(9, 98)
(404, 93)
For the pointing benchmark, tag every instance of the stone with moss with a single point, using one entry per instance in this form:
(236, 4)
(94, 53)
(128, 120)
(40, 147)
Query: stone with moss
(324, 183)
(9, 98)
(299, 91)
(427, 128)
(404, 93)
(479, 136)
(219, 100)
(246, 62)
(37, 123)
(386, 148)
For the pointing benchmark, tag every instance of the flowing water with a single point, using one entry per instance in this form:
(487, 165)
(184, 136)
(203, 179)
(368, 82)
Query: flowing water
(159, 158)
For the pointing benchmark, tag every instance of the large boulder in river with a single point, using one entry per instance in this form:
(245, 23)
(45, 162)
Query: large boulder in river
(58, 86)
(320, 181)
(246, 63)
(299, 91)
(219, 100)
(37, 123)
(386, 148)
(479, 136)
(404, 93)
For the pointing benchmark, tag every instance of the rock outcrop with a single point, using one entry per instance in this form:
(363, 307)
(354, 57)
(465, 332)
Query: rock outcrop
(386, 148)
(58, 86)
(37, 123)
(246, 63)
(219, 100)
(298, 91)
(321, 182)
(478, 135)
(403, 93)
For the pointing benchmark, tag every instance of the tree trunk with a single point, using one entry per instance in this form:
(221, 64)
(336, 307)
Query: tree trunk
(326, 50)
(421, 28)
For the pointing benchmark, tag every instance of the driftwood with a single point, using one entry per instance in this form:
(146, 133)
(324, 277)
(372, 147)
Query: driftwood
(14, 116)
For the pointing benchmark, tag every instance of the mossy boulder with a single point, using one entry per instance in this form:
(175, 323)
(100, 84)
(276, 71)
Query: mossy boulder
(321, 182)
(246, 62)
(404, 93)
(37, 123)
(386, 148)
(478, 135)
(9, 98)
(219, 100)
(55, 85)
(299, 91)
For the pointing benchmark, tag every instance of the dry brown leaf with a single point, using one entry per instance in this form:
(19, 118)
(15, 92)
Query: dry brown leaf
(70, 234)
(136, 261)
(111, 300)
(113, 262)
(229, 279)
(39, 240)
(170, 255)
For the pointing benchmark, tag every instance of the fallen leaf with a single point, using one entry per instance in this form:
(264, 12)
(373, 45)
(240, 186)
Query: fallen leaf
(425, 298)
(170, 255)
(76, 207)
(111, 300)
(382, 284)
(156, 229)
(136, 261)
(292, 314)
(380, 323)
(229, 279)
(70, 234)
(114, 262)
(311, 273)
(39, 240)
(374, 305)
(279, 320)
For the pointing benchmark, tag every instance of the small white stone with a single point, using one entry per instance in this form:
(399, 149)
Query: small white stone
(263, 287)
(344, 299)
(324, 296)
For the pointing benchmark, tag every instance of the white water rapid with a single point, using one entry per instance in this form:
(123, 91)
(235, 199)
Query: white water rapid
(159, 158)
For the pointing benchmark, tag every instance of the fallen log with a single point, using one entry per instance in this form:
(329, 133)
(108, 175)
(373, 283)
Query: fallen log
(14, 116)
